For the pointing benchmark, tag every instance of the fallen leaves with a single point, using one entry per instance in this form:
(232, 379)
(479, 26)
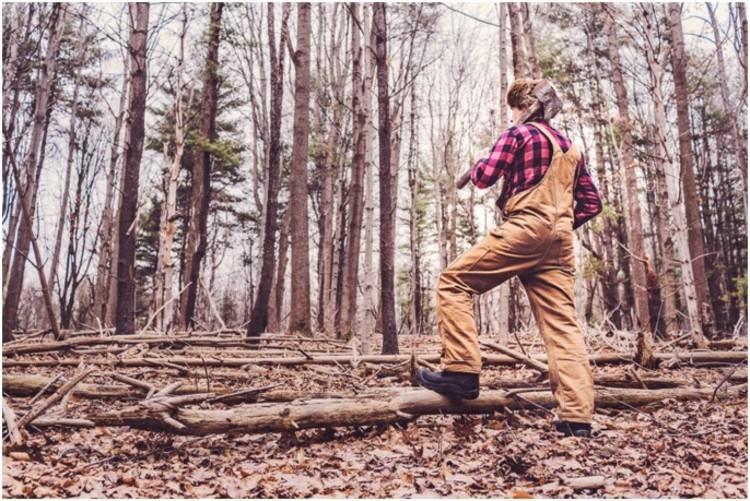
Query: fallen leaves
(679, 450)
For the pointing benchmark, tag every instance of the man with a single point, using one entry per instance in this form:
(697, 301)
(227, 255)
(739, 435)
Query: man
(547, 193)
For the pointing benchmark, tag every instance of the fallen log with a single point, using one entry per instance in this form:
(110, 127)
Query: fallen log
(10, 421)
(728, 343)
(405, 405)
(63, 390)
(212, 360)
(534, 364)
(23, 385)
(170, 341)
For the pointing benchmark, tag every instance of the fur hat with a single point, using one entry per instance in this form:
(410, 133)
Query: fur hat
(520, 94)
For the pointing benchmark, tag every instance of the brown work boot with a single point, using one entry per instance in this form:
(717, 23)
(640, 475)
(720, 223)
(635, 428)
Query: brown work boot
(572, 429)
(461, 385)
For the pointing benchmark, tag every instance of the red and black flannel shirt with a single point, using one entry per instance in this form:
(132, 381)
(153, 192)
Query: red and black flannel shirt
(522, 156)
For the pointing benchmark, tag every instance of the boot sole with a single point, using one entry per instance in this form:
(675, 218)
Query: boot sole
(448, 389)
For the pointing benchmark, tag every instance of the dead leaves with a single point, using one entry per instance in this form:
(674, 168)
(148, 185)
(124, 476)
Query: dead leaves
(684, 449)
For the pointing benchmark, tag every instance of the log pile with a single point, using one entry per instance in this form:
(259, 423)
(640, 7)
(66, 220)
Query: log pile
(228, 384)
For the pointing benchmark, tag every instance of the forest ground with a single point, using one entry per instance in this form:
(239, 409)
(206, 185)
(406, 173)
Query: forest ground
(673, 449)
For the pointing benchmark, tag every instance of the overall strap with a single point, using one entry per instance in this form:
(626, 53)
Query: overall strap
(541, 128)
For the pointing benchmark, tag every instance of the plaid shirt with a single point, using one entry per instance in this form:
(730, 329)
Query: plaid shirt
(522, 156)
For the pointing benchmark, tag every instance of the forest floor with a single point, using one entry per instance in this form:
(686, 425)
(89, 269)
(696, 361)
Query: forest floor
(674, 449)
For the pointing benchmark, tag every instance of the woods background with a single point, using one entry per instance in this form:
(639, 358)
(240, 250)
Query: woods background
(282, 167)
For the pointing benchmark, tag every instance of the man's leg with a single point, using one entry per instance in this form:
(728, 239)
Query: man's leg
(551, 297)
(481, 268)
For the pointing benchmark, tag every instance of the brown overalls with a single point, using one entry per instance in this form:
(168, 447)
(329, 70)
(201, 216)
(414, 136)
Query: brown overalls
(534, 242)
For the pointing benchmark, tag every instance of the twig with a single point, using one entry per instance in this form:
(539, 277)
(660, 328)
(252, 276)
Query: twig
(726, 378)
(44, 390)
(211, 304)
(154, 314)
(133, 382)
(242, 393)
(534, 364)
(10, 420)
(53, 399)
(633, 373)
(520, 344)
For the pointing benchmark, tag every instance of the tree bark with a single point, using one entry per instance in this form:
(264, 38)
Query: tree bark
(200, 196)
(635, 229)
(739, 145)
(387, 202)
(516, 41)
(106, 268)
(348, 309)
(128, 212)
(259, 314)
(530, 42)
(690, 193)
(402, 406)
(165, 265)
(300, 234)
(31, 168)
(328, 282)
(81, 53)
(662, 166)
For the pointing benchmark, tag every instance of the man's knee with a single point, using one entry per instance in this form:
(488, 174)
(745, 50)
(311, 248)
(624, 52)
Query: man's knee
(450, 283)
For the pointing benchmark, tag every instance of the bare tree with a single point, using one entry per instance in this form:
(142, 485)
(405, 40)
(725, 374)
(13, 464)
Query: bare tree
(300, 56)
(359, 133)
(128, 212)
(530, 42)
(635, 229)
(31, 167)
(105, 290)
(656, 58)
(738, 143)
(200, 196)
(259, 313)
(72, 136)
(165, 264)
(516, 41)
(695, 228)
(387, 202)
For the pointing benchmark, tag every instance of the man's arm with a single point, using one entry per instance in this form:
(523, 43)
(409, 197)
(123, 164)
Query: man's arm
(587, 201)
(487, 171)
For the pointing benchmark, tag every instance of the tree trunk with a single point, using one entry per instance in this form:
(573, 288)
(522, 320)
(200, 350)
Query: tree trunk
(31, 168)
(404, 405)
(359, 133)
(516, 41)
(607, 237)
(370, 293)
(328, 282)
(69, 163)
(739, 145)
(387, 202)
(276, 303)
(635, 230)
(200, 196)
(300, 234)
(259, 314)
(415, 237)
(695, 229)
(743, 51)
(503, 292)
(662, 167)
(106, 269)
(165, 264)
(128, 212)
(530, 42)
